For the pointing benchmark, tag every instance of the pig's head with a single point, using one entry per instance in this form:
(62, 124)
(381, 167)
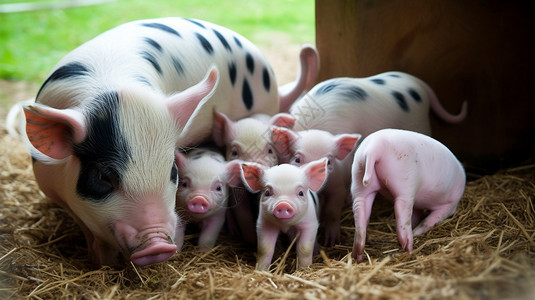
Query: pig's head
(204, 181)
(249, 139)
(285, 189)
(302, 147)
(112, 165)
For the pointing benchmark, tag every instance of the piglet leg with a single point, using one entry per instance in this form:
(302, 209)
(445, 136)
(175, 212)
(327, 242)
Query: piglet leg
(403, 211)
(267, 238)
(210, 230)
(436, 216)
(362, 208)
(305, 244)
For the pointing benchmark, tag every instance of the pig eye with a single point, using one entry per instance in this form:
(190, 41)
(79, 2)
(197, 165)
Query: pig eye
(96, 182)
(270, 151)
(174, 174)
(267, 193)
(301, 193)
(217, 186)
(234, 152)
(185, 183)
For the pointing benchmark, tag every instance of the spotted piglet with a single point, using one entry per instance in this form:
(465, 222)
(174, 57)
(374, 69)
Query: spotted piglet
(288, 203)
(202, 193)
(419, 174)
(365, 105)
(302, 147)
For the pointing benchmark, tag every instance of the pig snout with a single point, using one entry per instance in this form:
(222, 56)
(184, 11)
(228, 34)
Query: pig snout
(283, 210)
(198, 205)
(159, 249)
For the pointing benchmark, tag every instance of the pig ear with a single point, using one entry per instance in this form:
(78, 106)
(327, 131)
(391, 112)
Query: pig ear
(52, 131)
(283, 139)
(181, 160)
(309, 59)
(221, 128)
(283, 120)
(345, 143)
(234, 173)
(316, 171)
(185, 104)
(252, 176)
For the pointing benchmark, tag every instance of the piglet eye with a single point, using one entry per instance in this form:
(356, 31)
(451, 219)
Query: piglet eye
(297, 160)
(301, 193)
(270, 151)
(184, 183)
(267, 193)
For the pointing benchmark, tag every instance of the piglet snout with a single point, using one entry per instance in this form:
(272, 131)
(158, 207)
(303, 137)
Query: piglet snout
(155, 252)
(198, 205)
(283, 210)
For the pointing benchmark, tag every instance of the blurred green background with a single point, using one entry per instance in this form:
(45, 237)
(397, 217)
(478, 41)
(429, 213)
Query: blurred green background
(31, 43)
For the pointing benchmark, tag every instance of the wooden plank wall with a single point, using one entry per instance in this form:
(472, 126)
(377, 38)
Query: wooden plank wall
(482, 51)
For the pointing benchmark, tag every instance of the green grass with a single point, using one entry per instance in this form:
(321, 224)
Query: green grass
(31, 43)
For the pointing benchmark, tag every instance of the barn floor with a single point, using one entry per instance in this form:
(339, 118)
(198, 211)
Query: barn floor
(485, 251)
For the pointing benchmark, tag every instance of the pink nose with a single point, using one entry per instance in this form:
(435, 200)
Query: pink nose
(283, 210)
(198, 205)
(154, 253)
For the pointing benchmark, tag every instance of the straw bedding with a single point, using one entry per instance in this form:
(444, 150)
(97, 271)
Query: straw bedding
(485, 251)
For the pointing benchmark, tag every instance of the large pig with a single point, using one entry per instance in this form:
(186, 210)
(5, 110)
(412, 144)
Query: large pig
(305, 146)
(108, 118)
(365, 105)
(419, 174)
(288, 203)
(202, 194)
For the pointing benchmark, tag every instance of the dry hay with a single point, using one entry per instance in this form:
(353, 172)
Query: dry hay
(485, 251)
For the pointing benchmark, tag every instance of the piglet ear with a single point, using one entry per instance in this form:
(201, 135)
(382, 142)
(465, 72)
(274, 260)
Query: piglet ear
(52, 131)
(345, 143)
(181, 160)
(283, 120)
(186, 104)
(221, 128)
(252, 176)
(283, 139)
(234, 173)
(316, 172)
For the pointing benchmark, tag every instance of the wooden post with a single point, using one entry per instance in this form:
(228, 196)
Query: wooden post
(474, 50)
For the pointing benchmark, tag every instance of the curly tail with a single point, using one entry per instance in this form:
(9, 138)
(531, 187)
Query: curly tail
(440, 111)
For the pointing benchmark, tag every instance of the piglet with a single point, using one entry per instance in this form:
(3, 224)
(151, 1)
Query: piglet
(416, 172)
(203, 192)
(302, 147)
(288, 203)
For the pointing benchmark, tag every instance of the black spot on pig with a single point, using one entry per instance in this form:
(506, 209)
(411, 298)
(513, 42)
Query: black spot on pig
(195, 22)
(353, 92)
(266, 79)
(249, 61)
(222, 40)
(414, 94)
(327, 86)
(105, 153)
(237, 41)
(143, 80)
(162, 27)
(70, 70)
(205, 43)
(247, 95)
(152, 60)
(400, 99)
(378, 81)
(154, 44)
(177, 64)
(232, 72)
(394, 75)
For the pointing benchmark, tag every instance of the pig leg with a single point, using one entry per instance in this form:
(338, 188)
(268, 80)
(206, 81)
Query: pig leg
(179, 235)
(305, 245)
(362, 209)
(403, 211)
(332, 215)
(243, 214)
(210, 230)
(436, 216)
(267, 238)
